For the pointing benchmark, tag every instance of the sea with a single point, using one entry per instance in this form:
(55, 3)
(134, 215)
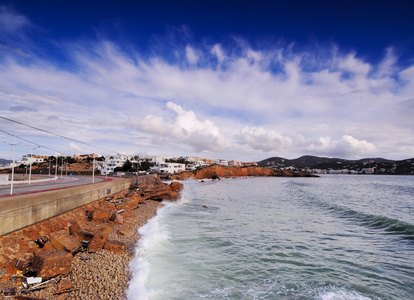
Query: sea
(333, 237)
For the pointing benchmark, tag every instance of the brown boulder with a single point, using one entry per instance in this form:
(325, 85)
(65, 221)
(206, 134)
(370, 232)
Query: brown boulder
(126, 231)
(84, 230)
(130, 194)
(159, 191)
(117, 218)
(176, 186)
(98, 242)
(130, 203)
(63, 241)
(64, 284)
(101, 214)
(48, 246)
(31, 233)
(114, 246)
(48, 264)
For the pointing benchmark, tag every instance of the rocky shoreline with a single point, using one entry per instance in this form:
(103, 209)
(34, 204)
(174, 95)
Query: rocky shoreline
(85, 253)
(97, 270)
(216, 171)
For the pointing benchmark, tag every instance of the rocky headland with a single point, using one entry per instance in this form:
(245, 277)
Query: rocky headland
(216, 171)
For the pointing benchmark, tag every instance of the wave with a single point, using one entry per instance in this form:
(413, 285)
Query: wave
(341, 295)
(378, 222)
(389, 225)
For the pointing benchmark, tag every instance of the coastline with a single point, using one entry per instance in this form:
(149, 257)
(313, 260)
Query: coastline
(104, 274)
(101, 273)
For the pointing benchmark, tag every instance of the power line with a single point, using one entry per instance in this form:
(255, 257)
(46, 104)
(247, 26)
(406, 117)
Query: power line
(56, 134)
(31, 142)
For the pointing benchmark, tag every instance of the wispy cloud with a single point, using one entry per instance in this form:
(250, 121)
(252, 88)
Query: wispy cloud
(12, 22)
(225, 100)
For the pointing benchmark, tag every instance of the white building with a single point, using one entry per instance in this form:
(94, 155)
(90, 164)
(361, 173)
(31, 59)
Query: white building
(112, 162)
(190, 167)
(169, 168)
(30, 159)
(221, 162)
(115, 161)
(152, 159)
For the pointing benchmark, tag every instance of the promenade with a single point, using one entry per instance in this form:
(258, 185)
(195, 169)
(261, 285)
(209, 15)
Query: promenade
(60, 182)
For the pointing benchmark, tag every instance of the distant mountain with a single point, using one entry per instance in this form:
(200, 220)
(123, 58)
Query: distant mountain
(5, 161)
(306, 161)
(379, 165)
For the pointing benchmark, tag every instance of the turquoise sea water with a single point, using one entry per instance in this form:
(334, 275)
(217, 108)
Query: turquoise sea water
(333, 237)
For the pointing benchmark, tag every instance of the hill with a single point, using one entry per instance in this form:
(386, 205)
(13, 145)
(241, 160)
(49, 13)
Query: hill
(5, 161)
(365, 165)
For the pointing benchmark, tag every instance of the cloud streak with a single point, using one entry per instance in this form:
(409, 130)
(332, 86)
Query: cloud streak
(233, 101)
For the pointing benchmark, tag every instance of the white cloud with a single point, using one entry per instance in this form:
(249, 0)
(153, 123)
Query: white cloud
(218, 52)
(191, 55)
(266, 140)
(345, 146)
(75, 148)
(185, 128)
(259, 138)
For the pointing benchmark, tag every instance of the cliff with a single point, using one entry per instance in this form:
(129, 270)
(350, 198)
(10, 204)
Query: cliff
(216, 171)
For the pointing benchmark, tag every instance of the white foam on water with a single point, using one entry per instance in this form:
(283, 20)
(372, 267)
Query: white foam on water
(153, 236)
(342, 295)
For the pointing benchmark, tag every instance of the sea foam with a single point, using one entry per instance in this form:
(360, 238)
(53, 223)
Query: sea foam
(152, 236)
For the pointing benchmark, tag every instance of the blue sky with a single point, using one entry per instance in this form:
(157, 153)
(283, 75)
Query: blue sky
(241, 80)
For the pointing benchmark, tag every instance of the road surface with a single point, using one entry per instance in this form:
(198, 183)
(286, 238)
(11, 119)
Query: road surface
(64, 182)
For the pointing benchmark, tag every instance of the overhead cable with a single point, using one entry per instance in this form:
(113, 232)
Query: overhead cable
(31, 142)
(56, 134)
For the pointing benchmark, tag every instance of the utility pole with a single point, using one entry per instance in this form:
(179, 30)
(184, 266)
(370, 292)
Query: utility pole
(61, 169)
(31, 156)
(93, 168)
(49, 165)
(56, 160)
(14, 156)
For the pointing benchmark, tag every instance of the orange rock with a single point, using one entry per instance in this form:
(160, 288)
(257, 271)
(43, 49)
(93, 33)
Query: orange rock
(130, 203)
(64, 284)
(126, 231)
(102, 215)
(48, 246)
(127, 215)
(23, 243)
(227, 172)
(98, 242)
(63, 241)
(84, 230)
(48, 264)
(114, 246)
(107, 205)
(176, 186)
(8, 241)
(31, 233)
(117, 218)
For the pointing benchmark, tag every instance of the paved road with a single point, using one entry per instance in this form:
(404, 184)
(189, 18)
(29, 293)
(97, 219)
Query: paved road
(65, 181)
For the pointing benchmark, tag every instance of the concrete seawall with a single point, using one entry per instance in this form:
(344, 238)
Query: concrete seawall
(19, 211)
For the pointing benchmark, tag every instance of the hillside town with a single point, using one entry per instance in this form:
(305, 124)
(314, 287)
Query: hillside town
(114, 165)
(122, 164)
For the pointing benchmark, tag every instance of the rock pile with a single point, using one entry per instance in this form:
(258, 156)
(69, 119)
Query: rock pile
(85, 252)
